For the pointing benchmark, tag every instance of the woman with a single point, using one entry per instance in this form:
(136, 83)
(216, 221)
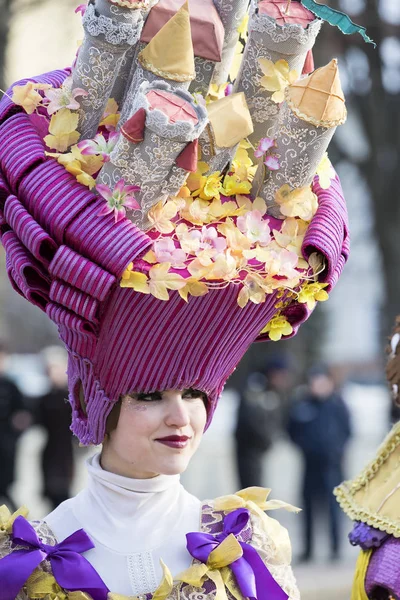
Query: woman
(158, 283)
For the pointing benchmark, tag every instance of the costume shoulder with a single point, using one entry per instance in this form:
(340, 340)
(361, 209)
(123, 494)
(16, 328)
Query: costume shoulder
(244, 515)
(41, 579)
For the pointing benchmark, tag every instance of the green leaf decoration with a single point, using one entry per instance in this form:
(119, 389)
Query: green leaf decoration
(336, 18)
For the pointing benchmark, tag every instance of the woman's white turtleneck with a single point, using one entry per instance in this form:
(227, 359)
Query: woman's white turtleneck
(133, 523)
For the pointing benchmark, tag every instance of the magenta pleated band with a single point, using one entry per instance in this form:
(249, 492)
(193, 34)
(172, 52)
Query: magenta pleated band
(34, 296)
(24, 264)
(12, 276)
(54, 197)
(21, 148)
(81, 273)
(72, 298)
(111, 245)
(32, 236)
(4, 191)
(328, 231)
(383, 571)
(67, 318)
(8, 108)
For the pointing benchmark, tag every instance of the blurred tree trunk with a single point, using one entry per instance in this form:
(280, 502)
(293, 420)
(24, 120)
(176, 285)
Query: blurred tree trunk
(5, 12)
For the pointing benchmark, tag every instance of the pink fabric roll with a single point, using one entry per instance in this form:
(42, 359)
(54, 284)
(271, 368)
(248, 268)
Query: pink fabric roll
(81, 273)
(32, 236)
(111, 245)
(28, 269)
(80, 303)
(35, 297)
(21, 148)
(53, 197)
(328, 231)
(4, 191)
(68, 319)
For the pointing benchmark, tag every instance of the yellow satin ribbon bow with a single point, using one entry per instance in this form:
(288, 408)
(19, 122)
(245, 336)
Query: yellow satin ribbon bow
(7, 519)
(217, 569)
(43, 586)
(255, 495)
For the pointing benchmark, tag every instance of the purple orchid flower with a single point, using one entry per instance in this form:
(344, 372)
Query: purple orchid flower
(81, 9)
(263, 147)
(99, 145)
(271, 161)
(118, 199)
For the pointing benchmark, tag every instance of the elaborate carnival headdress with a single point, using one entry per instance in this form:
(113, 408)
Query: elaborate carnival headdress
(161, 221)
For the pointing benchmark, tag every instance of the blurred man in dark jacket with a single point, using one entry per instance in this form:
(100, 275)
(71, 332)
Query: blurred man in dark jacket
(54, 414)
(260, 418)
(13, 420)
(319, 424)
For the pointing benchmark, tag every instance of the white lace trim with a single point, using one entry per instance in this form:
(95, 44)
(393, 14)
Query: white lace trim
(281, 33)
(142, 574)
(114, 33)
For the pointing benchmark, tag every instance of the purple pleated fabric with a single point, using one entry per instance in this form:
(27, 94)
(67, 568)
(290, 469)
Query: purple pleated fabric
(328, 231)
(21, 148)
(54, 197)
(32, 236)
(383, 571)
(65, 258)
(8, 108)
(82, 304)
(4, 191)
(81, 273)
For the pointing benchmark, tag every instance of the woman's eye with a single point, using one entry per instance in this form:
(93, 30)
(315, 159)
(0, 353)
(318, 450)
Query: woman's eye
(149, 397)
(191, 393)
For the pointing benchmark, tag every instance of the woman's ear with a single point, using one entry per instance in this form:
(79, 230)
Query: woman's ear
(113, 417)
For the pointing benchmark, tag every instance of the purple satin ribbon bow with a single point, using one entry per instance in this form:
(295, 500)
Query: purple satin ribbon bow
(71, 570)
(252, 576)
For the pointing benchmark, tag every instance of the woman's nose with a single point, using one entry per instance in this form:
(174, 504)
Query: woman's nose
(178, 414)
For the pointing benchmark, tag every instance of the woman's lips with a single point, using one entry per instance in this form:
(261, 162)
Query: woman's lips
(174, 441)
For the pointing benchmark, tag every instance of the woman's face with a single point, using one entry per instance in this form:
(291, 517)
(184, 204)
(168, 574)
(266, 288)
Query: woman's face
(156, 433)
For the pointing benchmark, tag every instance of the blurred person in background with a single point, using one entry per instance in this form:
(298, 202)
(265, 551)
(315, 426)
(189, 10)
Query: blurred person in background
(319, 424)
(260, 417)
(14, 419)
(54, 414)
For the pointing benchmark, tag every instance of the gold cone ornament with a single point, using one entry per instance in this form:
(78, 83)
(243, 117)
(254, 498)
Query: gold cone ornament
(170, 53)
(318, 99)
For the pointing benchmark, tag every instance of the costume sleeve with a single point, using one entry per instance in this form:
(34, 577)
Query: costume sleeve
(272, 542)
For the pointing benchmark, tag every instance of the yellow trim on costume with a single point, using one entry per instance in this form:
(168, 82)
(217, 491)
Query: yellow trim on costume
(358, 590)
(374, 496)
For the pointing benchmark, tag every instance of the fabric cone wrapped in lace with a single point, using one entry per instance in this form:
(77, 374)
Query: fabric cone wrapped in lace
(314, 106)
(372, 501)
(145, 237)
(110, 31)
(276, 54)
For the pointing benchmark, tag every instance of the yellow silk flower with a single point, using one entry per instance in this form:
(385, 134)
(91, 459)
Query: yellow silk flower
(161, 214)
(298, 202)
(311, 293)
(7, 519)
(27, 95)
(277, 327)
(111, 116)
(325, 172)
(277, 76)
(83, 166)
(62, 130)
(42, 585)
